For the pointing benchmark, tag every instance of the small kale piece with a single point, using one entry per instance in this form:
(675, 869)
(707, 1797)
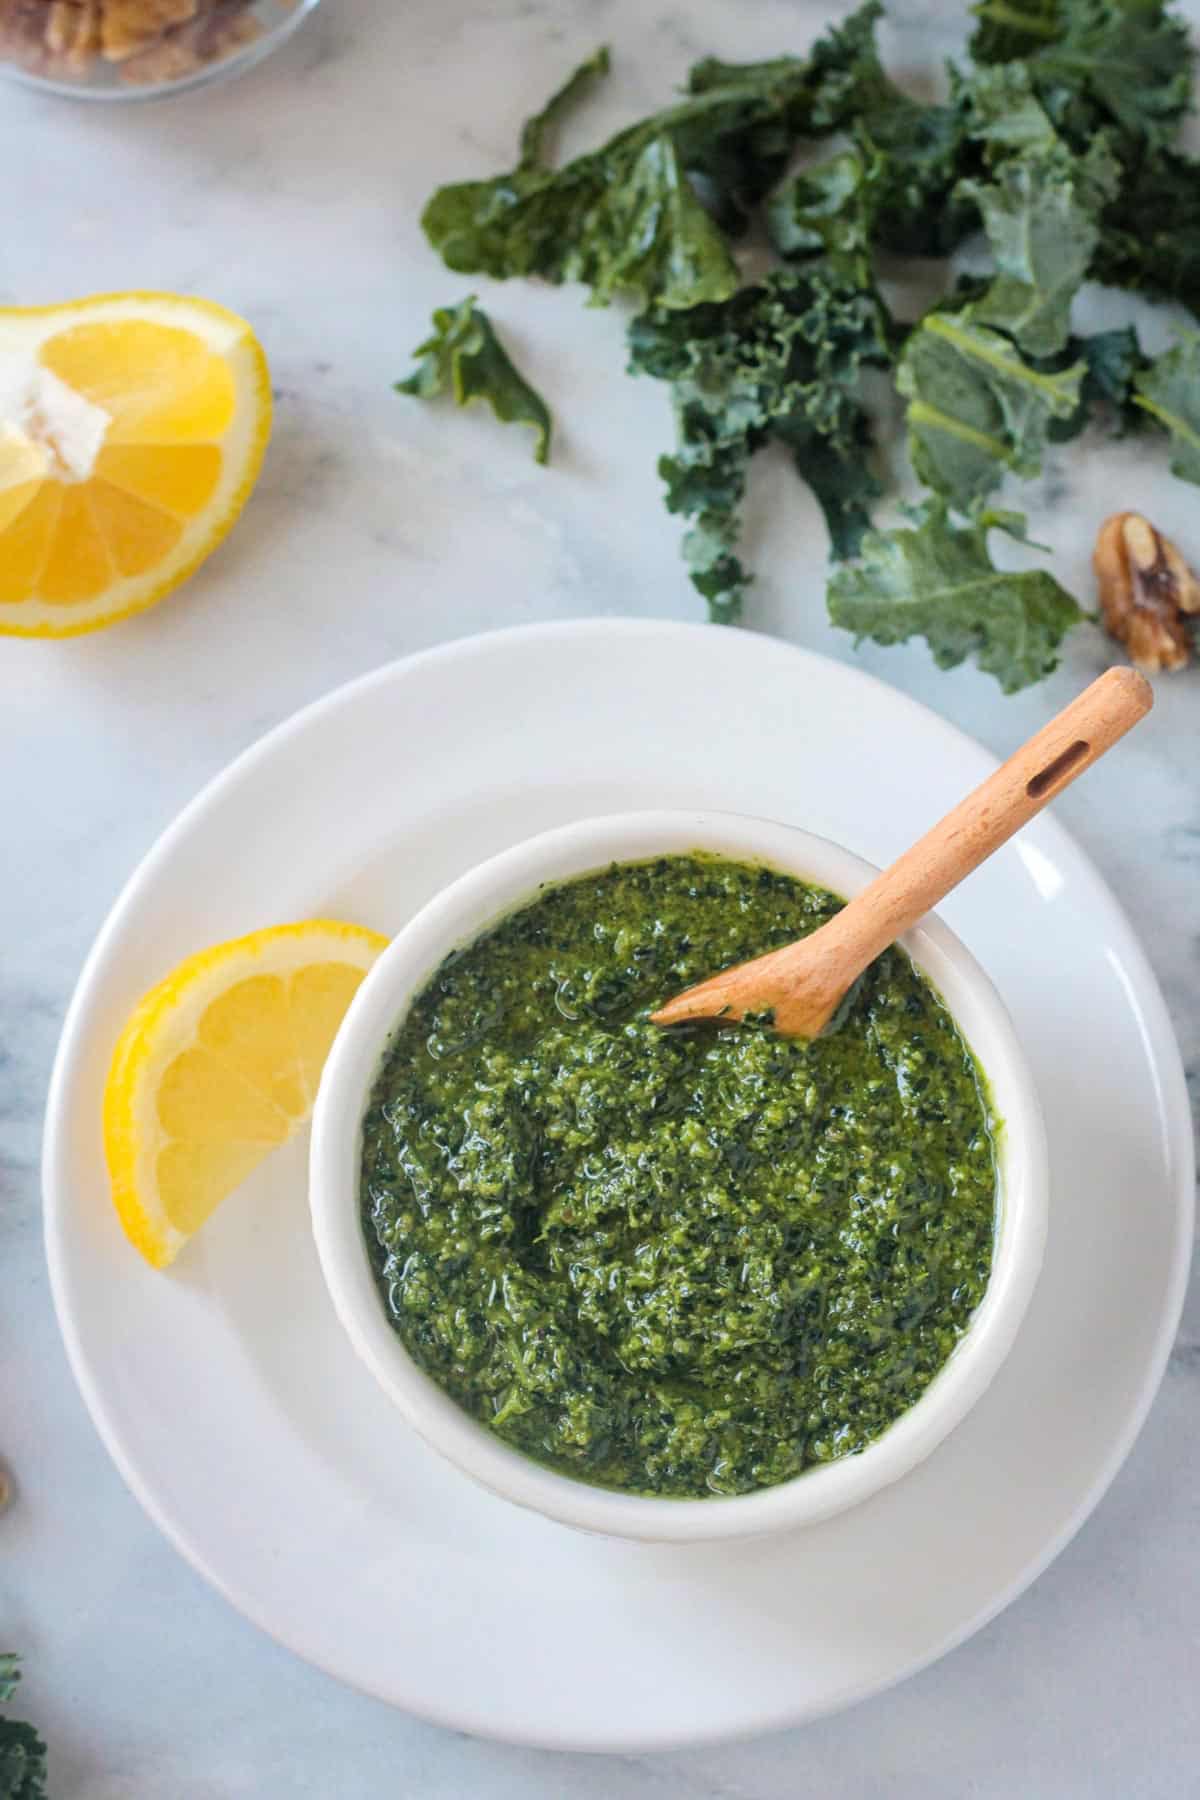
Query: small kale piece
(975, 407)
(1111, 360)
(1093, 63)
(1011, 28)
(1168, 389)
(1040, 204)
(829, 211)
(1150, 234)
(836, 468)
(1001, 110)
(899, 186)
(22, 1752)
(780, 360)
(640, 213)
(920, 211)
(465, 356)
(22, 1762)
(919, 153)
(1041, 212)
(936, 580)
(732, 169)
(536, 131)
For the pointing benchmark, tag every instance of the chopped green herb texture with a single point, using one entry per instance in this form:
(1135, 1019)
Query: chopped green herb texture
(685, 1263)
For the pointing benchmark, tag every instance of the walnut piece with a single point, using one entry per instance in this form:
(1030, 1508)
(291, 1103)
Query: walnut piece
(1146, 589)
(132, 25)
(220, 28)
(73, 33)
(23, 32)
(149, 40)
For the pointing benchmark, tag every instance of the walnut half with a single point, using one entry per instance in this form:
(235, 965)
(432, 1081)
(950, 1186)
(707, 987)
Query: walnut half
(1146, 588)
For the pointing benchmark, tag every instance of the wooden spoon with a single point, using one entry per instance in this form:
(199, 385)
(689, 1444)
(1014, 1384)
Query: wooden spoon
(803, 984)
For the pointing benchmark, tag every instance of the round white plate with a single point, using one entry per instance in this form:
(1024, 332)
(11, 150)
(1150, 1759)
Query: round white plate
(240, 1416)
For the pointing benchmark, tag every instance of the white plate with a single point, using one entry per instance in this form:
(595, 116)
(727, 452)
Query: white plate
(241, 1418)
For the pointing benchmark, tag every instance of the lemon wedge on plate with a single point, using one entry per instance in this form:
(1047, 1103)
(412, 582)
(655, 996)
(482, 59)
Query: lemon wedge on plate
(217, 1066)
(132, 428)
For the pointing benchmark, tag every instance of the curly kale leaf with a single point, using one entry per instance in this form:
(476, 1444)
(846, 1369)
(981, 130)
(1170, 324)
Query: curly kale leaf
(936, 580)
(1168, 389)
(1150, 233)
(1126, 63)
(1041, 211)
(22, 1762)
(976, 408)
(641, 213)
(781, 360)
(465, 357)
(22, 1752)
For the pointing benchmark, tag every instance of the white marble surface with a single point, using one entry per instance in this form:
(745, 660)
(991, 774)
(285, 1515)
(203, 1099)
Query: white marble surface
(378, 528)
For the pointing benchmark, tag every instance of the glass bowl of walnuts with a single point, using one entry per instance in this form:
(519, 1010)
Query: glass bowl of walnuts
(139, 49)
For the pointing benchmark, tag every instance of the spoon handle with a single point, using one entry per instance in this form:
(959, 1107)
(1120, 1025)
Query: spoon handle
(1039, 771)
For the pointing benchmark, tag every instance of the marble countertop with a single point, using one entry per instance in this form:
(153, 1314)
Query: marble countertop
(292, 195)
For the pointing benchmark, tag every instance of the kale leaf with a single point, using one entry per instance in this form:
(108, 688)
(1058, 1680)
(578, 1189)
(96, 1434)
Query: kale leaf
(829, 211)
(734, 168)
(936, 580)
(1150, 233)
(1093, 63)
(641, 213)
(1041, 211)
(1169, 390)
(1110, 359)
(1001, 111)
(622, 216)
(975, 407)
(535, 133)
(1128, 63)
(920, 153)
(465, 356)
(779, 360)
(1011, 28)
(22, 1752)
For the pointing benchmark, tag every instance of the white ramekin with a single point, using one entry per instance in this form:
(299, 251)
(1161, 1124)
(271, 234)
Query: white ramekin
(458, 915)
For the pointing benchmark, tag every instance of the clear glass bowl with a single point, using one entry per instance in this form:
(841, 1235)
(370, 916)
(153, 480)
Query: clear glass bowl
(45, 46)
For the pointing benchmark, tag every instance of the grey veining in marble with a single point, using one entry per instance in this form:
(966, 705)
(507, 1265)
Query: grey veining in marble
(293, 196)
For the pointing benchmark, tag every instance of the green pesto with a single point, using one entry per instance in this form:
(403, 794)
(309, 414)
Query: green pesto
(687, 1262)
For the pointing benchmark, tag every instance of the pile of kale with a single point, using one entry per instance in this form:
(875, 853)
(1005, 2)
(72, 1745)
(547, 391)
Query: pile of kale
(1056, 142)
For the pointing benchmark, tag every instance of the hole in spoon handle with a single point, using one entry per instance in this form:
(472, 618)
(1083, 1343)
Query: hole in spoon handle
(1061, 769)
